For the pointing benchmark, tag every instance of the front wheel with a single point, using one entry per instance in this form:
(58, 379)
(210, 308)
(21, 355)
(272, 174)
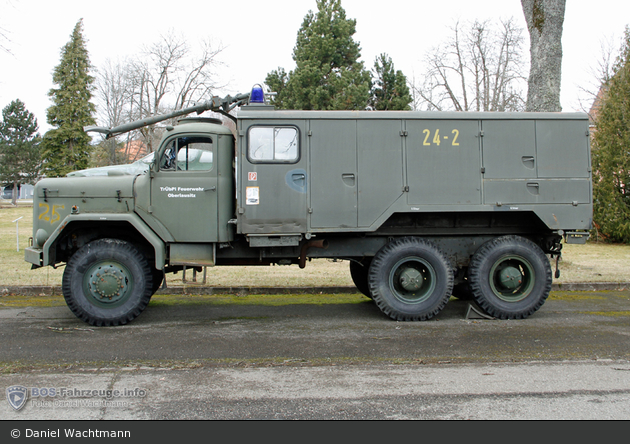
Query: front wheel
(107, 282)
(410, 279)
(510, 277)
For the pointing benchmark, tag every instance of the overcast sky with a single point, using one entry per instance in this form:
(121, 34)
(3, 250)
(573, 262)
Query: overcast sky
(259, 36)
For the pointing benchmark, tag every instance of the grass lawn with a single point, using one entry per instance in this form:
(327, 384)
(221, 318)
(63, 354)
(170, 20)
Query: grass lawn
(593, 262)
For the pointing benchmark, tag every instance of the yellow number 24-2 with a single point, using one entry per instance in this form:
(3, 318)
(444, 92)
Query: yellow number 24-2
(436, 138)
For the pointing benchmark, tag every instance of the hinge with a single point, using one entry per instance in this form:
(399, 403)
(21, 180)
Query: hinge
(404, 133)
(310, 211)
(483, 170)
(405, 189)
(480, 133)
(310, 133)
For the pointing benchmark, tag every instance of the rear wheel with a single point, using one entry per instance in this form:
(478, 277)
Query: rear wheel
(410, 279)
(510, 277)
(107, 282)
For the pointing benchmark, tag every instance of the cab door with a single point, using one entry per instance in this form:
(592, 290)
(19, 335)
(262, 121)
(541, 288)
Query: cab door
(274, 180)
(184, 188)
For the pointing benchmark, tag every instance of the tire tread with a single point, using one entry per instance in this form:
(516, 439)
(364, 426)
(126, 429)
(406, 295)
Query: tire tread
(477, 279)
(398, 246)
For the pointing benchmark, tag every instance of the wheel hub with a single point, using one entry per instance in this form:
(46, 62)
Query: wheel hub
(510, 278)
(108, 283)
(411, 279)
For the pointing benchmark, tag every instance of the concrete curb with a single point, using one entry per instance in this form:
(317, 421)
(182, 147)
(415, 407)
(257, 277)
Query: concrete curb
(591, 286)
(41, 290)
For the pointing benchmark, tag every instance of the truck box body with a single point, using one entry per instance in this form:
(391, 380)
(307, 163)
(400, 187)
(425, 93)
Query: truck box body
(352, 171)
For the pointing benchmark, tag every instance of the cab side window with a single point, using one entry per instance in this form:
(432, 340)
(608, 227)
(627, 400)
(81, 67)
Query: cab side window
(267, 144)
(188, 154)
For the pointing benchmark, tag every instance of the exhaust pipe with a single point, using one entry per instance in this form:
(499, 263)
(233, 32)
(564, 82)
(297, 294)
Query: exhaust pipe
(323, 243)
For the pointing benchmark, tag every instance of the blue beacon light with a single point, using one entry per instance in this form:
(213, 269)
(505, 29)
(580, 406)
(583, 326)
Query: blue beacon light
(257, 95)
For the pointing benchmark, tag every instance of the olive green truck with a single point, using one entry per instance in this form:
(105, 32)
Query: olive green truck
(423, 205)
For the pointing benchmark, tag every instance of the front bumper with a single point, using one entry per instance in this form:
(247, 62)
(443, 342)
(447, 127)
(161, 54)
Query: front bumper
(35, 256)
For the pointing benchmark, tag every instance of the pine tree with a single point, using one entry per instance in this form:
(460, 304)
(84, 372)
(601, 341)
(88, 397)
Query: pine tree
(329, 74)
(19, 146)
(611, 153)
(67, 146)
(390, 90)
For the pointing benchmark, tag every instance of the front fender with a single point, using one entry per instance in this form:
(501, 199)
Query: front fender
(48, 249)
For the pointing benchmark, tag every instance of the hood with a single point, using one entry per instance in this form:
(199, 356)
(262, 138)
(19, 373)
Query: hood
(131, 169)
(86, 187)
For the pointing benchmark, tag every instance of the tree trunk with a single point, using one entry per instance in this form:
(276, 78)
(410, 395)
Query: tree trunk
(15, 194)
(545, 19)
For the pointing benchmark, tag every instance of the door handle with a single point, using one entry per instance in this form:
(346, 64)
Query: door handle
(210, 189)
(529, 161)
(533, 188)
(348, 179)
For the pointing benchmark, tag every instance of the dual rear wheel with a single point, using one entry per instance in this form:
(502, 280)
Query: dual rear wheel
(411, 279)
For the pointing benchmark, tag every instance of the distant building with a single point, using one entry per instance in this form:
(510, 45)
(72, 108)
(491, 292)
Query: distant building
(593, 113)
(135, 150)
(25, 191)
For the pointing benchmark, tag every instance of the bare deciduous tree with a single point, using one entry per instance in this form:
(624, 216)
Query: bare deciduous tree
(167, 75)
(113, 92)
(600, 73)
(5, 40)
(479, 69)
(545, 19)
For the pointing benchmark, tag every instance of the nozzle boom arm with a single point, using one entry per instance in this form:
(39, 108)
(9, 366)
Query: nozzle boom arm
(223, 105)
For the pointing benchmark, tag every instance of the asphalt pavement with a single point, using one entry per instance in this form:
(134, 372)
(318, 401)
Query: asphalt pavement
(207, 359)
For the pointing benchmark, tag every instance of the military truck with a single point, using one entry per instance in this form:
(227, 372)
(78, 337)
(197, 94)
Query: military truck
(423, 205)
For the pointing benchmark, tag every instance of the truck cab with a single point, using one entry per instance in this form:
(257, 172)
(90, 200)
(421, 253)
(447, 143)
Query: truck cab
(187, 197)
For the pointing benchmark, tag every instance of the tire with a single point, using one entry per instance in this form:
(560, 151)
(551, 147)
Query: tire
(123, 288)
(359, 272)
(510, 277)
(410, 279)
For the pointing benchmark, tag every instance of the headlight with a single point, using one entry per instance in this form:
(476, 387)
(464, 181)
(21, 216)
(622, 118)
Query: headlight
(41, 237)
